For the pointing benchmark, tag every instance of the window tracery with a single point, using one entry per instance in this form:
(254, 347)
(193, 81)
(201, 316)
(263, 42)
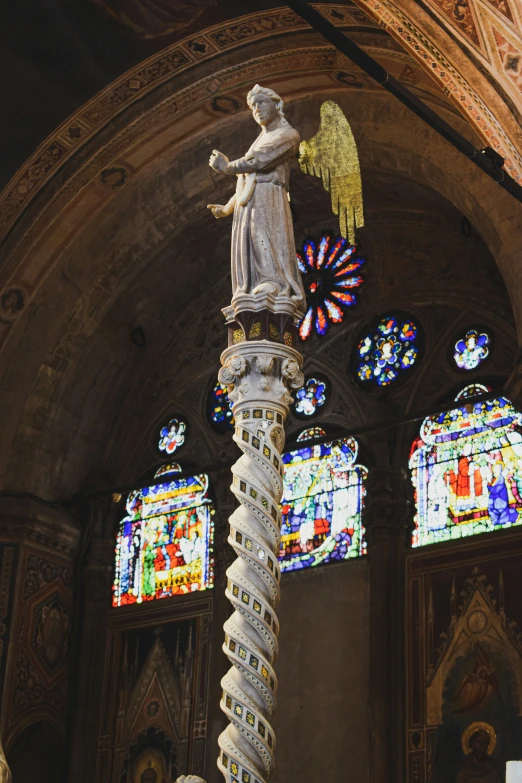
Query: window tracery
(311, 397)
(472, 349)
(172, 436)
(329, 281)
(389, 347)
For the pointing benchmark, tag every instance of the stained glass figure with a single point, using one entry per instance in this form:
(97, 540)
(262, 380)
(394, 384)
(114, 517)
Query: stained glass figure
(219, 408)
(164, 544)
(471, 350)
(322, 505)
(387, 348)
(311, 432)
(466, 469)
(172, 436)
(311, 397)
(329, 281)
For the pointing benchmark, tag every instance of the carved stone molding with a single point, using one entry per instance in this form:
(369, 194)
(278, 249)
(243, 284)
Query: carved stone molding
(30, 521)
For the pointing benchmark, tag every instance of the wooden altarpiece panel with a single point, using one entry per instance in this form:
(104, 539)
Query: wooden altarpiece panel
(155, 685)
(464, 657)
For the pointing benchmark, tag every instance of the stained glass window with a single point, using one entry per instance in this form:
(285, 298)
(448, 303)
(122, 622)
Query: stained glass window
(388, 347)
(219, 408)
(329, 281)
(164, 544)
(322, 504)
(472, 349)
(311, 432)
(466, 469)
(311, 397)
(172, 436)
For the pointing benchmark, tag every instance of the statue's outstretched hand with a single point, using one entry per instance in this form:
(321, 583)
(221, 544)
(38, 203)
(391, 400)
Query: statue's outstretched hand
(218, 161)
(218, 210)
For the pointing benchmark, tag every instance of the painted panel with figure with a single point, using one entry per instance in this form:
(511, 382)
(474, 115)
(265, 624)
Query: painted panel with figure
(464, 662)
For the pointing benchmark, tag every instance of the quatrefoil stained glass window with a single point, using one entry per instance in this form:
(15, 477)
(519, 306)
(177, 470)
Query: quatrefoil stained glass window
(330, 278)
(172, 436)
(311, 397)
(388, 348)
(472, 349)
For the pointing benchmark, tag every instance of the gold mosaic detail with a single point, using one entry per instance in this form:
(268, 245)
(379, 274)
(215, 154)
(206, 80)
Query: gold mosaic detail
(255, 330)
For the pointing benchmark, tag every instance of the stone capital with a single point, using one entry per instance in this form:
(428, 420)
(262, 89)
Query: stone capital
(261, 373)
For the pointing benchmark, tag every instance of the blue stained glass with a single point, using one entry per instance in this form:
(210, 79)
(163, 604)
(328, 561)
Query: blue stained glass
(471, 350)
(164, 544)
(388, 348)
(322, 505)
(328, 270)
(220, 409)
(311, 397)
(466, 469)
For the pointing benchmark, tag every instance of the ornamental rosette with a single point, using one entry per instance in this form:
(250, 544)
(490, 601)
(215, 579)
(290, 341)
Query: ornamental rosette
(234, 369)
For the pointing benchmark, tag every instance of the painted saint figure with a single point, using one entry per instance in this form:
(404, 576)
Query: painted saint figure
(263, 248)
(479, 767)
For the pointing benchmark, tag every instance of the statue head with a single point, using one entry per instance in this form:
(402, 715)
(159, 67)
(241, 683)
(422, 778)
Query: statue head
(266, 105)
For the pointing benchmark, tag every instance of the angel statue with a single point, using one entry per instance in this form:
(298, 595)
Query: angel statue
(263, 247)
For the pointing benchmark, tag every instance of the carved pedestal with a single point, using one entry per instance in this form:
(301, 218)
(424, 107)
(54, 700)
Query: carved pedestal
(260, 375)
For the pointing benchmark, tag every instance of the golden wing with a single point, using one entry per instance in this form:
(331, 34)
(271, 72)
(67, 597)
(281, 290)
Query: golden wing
(332, 155)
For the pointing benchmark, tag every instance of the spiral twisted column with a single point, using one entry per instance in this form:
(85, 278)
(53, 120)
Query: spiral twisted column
(259, 375)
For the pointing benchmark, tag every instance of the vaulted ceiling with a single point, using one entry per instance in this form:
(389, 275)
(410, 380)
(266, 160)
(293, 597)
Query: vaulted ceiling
(106, 235)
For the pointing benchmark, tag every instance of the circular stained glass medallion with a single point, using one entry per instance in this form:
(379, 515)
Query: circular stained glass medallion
(219, 409)
(388, 348)
(172, 436)
(472, 349)
(311, 397)
(329, 277)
